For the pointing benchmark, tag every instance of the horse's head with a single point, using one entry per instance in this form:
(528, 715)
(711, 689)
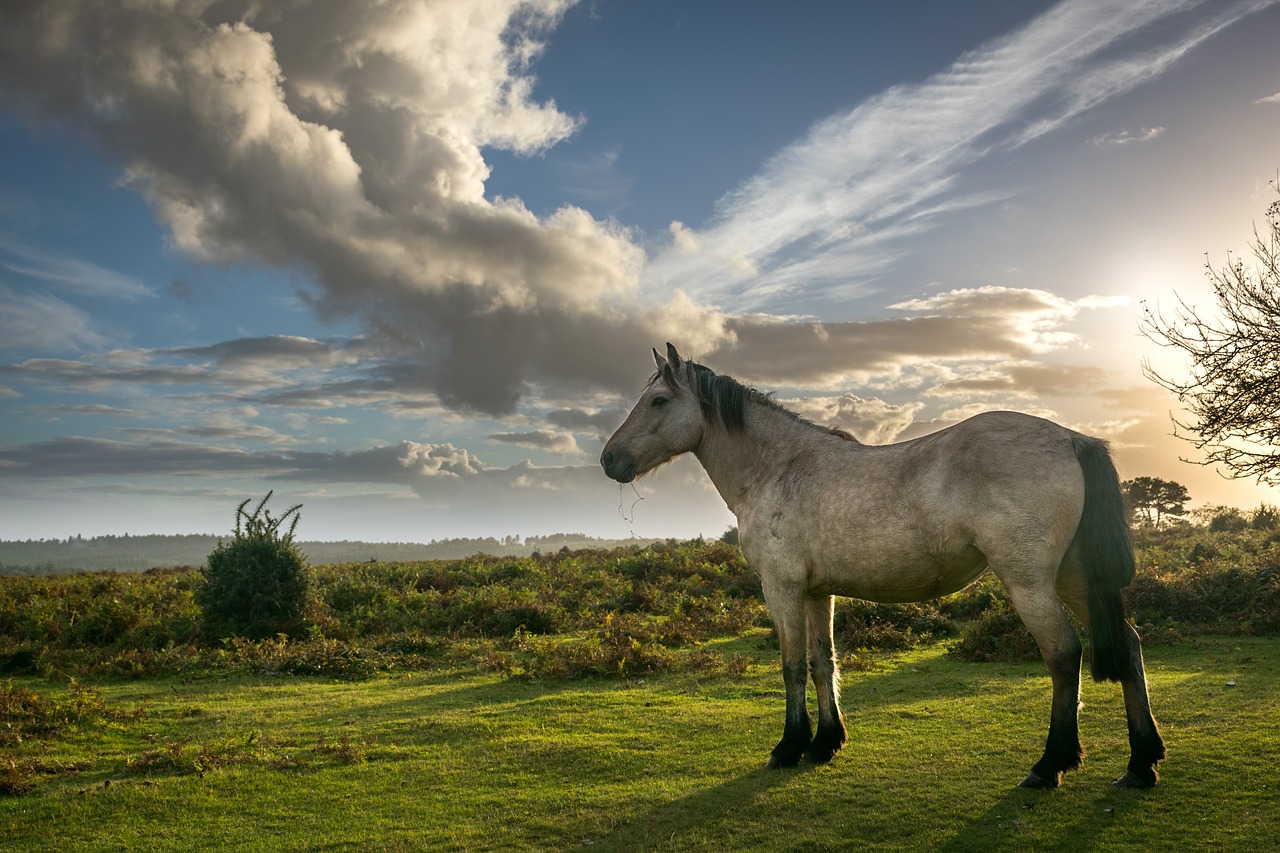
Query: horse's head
(667, 420)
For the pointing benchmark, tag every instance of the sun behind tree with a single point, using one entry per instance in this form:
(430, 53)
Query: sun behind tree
(1233, 391)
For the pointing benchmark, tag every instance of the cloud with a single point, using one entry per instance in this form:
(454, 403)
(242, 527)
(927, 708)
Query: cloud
(1025, 380)
(1127, 137)
(988, 324)
(78, 457)
(93, 409)
(828, 214)
(41, 322)
(871, 421)
(544, 439)
(1269, 99)
(601, 422)
(70, 274)
(455, 483)
(683, 238)
(345, 139)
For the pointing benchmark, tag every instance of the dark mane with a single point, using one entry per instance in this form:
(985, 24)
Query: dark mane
(725, 399)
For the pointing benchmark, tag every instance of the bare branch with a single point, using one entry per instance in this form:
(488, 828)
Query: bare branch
(1232, 392)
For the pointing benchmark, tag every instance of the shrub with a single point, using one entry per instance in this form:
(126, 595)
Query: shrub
(1265, 517)
(998, 635)
(1227, 519)
(259, 584)
(861, 625)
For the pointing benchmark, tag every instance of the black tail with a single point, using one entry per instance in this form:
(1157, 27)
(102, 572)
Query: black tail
(1104, 545)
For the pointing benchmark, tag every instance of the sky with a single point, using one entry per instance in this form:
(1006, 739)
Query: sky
(403, 262)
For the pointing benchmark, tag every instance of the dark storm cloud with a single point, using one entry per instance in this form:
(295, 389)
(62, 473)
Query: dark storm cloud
(344, 139)
(601, 422)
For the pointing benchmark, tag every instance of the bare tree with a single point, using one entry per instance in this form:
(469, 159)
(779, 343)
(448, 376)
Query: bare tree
(1233, 391)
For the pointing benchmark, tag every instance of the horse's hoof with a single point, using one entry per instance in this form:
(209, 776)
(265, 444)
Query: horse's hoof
(776, 763)
(823, 749)
(1136, 780)
(1035, 780)
(781, 758)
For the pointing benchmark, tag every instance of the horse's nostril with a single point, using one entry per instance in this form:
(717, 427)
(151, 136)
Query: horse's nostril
(606, 459)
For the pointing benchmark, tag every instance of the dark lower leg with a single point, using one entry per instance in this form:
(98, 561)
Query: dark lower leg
(1062, 751)
(1146, 747)
(798, 731)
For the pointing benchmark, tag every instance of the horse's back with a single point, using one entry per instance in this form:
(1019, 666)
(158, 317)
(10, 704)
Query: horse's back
(922, 518)
(1012, 479)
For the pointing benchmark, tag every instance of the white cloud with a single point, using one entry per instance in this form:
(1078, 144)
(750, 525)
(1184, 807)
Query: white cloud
(683, 238)
(345, 139)
(828, 213)
(561, 443)
(871, 421)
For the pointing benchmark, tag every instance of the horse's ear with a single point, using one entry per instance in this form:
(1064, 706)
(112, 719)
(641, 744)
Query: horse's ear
(659, 360)
(672, 356)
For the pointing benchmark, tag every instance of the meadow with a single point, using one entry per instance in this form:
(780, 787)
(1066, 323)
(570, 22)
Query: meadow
(617, 700)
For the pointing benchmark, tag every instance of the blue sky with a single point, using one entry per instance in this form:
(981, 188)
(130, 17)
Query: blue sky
(403, 262)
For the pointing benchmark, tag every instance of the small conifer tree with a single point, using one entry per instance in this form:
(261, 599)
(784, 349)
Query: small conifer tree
(259, 584)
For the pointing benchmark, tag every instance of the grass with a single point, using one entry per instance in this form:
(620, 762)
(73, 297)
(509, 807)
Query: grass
(468, 760)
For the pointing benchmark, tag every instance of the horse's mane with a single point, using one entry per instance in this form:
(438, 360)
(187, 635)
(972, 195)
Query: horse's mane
(723, 398)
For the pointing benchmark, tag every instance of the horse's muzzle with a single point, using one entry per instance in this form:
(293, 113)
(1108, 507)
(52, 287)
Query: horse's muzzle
(618, 466)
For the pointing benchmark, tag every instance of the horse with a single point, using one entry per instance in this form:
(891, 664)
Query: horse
(821, 514)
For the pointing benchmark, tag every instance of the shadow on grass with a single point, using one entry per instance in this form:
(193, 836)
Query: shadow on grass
(669, 821)
(1003, 825)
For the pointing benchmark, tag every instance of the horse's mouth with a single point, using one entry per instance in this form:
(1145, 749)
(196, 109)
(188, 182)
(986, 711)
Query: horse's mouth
(618, 466)
(624, 476)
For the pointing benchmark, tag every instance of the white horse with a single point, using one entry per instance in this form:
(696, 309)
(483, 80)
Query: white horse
(821, 515)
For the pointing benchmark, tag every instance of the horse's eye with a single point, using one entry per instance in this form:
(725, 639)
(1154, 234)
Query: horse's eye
(659, 402)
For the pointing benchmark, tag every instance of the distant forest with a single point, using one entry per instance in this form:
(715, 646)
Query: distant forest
(139, 553)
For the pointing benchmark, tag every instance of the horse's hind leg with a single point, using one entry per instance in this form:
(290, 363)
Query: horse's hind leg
(1146, 747)
(787, 606)
(1042, 612)
(826, 679)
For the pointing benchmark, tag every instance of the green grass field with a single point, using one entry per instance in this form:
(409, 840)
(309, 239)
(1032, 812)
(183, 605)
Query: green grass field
(468, 760)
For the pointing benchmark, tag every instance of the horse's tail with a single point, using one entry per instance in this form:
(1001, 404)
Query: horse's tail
(1104, 545)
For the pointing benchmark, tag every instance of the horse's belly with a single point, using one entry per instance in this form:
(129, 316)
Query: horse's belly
(900, 580)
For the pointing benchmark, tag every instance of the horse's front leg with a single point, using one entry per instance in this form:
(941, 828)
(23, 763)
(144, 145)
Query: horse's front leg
(826, 679)
(788, 609)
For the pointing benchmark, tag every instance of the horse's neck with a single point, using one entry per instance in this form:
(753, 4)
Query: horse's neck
(738, 463)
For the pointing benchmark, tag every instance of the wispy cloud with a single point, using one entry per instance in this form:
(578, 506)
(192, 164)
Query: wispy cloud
(830, 212)
(41, 322)
(1128, 137)
(70, 274)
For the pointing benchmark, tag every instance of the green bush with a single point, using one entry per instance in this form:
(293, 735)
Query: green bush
(863, 625)
(259, 584)
(578, 614)
(998, 635)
